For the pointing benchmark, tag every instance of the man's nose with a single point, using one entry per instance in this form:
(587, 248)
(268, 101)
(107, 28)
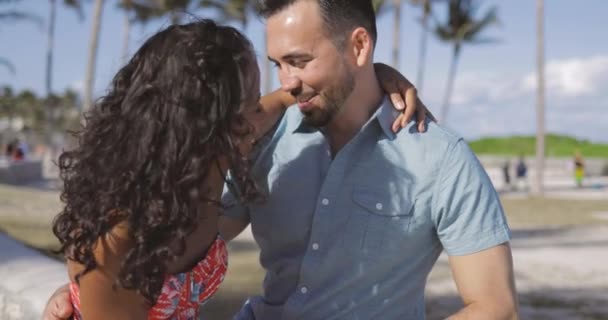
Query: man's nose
(290, 83)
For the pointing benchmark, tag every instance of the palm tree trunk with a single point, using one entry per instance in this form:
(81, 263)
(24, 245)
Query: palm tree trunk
(450, 85)
(49, 67)
(396, 32)
(422, 51)
(267, 73)
(49, 48)
(126, 34)
(540, 99)
(90, 75)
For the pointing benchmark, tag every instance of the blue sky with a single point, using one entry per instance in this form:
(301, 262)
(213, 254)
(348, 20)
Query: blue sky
(495, 87)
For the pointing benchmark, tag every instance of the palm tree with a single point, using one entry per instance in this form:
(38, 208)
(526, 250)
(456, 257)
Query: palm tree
(93, 44)
(540, 98)
(126, 33)
(239, 10)
(380, 7)
(8, 65)
(49, 59)
(461, 27)
(426, 12)
(51, 35)
(12, 15)
(127, 6)
(396, 32)
(142, 11)
(146, 10)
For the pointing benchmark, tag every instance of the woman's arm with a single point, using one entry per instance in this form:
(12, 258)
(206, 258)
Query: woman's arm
(99, 297)
(269, 111)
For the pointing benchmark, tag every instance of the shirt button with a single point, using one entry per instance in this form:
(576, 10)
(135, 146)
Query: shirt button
(304, 290)
(325, 201)
(379, 206)
(315, 246)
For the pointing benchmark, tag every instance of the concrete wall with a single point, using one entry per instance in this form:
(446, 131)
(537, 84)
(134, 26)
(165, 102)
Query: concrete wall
(20, 172)
(28, 279)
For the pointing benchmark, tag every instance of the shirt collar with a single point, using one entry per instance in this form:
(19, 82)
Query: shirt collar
(386, 115)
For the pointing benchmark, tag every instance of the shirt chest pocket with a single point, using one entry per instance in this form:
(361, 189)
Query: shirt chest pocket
(380, 221)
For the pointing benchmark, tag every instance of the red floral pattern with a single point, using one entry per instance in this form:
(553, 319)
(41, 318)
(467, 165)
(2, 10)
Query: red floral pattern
(184, 293)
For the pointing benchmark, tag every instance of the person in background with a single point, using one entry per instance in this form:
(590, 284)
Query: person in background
(521, 172)
(579, 169)
(506, 174)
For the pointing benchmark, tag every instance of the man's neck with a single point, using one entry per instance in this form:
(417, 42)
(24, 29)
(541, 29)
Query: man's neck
(358, 108)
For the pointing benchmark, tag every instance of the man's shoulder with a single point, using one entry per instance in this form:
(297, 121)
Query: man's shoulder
(435, 138)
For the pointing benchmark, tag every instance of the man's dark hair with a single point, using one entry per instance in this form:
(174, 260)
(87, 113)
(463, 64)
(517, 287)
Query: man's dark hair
(339, 16)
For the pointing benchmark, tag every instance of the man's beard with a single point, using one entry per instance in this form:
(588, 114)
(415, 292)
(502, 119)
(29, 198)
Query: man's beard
(334, 97)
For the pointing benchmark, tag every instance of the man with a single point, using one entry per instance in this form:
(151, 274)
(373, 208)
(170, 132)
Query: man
(355, 216)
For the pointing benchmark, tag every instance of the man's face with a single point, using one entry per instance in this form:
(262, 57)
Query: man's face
(310, 66)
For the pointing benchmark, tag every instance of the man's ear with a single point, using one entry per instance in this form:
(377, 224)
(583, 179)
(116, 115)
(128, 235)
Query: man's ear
(362, 46)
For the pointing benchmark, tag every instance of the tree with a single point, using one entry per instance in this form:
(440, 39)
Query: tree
(380, 7)
(14, 15)
(462, 26)
(540, 98)
(93, 45)
(142, 11)
(127, 7)
(50, 103)
(239, 10)
(426, 13)
(146, 10)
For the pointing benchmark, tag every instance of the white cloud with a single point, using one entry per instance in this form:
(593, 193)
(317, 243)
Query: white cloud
(573, 77)
(497, 104)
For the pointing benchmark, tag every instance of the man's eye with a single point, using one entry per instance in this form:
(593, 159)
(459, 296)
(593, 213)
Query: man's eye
(299, 63)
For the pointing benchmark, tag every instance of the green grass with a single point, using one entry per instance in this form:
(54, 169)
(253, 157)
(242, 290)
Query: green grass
(26, 214)
(556, 146)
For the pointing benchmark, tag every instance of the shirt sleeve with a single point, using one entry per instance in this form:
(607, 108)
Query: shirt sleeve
(468, 214)
(232, 205)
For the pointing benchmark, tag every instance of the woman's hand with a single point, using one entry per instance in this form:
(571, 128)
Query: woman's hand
(59, 306)
(404, 97)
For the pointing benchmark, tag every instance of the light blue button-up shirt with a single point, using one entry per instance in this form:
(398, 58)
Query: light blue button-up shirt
(355, 237)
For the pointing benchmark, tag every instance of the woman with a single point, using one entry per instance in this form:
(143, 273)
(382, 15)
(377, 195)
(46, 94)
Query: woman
(141, 190)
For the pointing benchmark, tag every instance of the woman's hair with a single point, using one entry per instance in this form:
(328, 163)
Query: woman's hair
(149, 144)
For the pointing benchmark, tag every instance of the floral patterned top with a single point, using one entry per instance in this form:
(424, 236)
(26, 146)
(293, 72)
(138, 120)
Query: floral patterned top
(182, 294)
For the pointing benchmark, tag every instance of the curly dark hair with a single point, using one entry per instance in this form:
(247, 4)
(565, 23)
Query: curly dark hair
(149, 144)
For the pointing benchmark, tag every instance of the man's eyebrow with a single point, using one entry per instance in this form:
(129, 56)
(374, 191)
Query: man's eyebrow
(292, 56)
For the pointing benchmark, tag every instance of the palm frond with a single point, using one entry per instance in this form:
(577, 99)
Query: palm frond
(16, 15)
(76, 5)
(234, 10)
(489, 18)
(8, 65)
(379, 6)
(462, 24)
